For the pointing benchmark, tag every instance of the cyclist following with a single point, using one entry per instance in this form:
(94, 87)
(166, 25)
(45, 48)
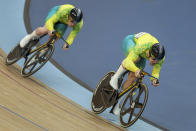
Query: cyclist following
(58, 19)
(138, 48)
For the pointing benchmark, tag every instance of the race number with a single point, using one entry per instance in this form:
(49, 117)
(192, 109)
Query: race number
(140, 34)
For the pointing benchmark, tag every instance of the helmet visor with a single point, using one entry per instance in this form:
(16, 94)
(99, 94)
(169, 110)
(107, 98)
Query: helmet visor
(155, 58)
(72, 20)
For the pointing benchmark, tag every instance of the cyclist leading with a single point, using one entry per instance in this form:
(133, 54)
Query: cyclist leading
(138, 48)
(58, 19)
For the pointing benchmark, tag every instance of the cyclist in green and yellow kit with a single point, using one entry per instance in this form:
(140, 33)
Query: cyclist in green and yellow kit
(58, 19)
(138, 48)
(56, 23)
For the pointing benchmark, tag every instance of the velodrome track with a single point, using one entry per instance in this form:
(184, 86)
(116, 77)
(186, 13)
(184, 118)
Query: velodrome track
(28, 104)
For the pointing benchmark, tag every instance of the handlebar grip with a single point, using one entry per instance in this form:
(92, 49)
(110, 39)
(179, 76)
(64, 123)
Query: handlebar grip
(141, 73)
(67, 46)
(53, 32)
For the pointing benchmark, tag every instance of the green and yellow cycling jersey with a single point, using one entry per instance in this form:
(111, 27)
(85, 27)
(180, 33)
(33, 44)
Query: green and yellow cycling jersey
(61, 14)
(139, 50)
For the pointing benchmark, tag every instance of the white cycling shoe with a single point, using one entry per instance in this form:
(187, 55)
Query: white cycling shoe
(114, 83)
(27, 38)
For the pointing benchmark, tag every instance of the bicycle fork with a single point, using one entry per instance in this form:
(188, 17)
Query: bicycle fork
(120, 95)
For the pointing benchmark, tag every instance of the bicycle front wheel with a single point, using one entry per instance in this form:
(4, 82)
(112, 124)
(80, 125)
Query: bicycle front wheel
(37, 60)
(133, 105)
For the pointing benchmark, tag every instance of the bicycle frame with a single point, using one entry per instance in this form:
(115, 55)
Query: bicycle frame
(51, 40)
(135, 84)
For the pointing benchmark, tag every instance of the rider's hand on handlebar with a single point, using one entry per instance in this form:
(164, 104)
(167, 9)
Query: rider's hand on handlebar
(65, 46)
(50, 33)
(138, 73)
(155, 82)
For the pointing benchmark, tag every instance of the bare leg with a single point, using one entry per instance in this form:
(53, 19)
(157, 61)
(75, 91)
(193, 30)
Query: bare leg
(130, 80)
(35, 34)
(40, 31)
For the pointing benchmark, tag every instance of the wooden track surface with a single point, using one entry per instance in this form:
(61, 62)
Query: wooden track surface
(27, 104)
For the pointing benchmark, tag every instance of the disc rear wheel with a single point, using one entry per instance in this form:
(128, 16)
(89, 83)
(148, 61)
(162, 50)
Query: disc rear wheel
(14, 55)
(97, 103)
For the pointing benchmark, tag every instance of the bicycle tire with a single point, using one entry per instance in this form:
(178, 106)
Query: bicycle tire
(97, 104)
(24, 74)
(130, 121)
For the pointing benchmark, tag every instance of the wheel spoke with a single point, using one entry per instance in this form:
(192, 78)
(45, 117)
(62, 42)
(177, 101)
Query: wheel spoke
(33, 67)
(33, 63)
(140, 92)
(126, 111)
(130, 99)
(131, 115)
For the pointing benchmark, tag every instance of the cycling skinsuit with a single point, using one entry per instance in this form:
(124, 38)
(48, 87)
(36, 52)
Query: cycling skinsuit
(57, 19)
(138, 45)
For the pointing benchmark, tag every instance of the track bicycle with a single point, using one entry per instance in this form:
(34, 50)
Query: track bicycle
(136, 96)
(35, 58)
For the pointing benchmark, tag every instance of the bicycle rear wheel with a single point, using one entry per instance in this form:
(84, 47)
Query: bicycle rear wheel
(17, 52)
(97, 103)
(14, 55)
(133, 105)
(35, 62)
